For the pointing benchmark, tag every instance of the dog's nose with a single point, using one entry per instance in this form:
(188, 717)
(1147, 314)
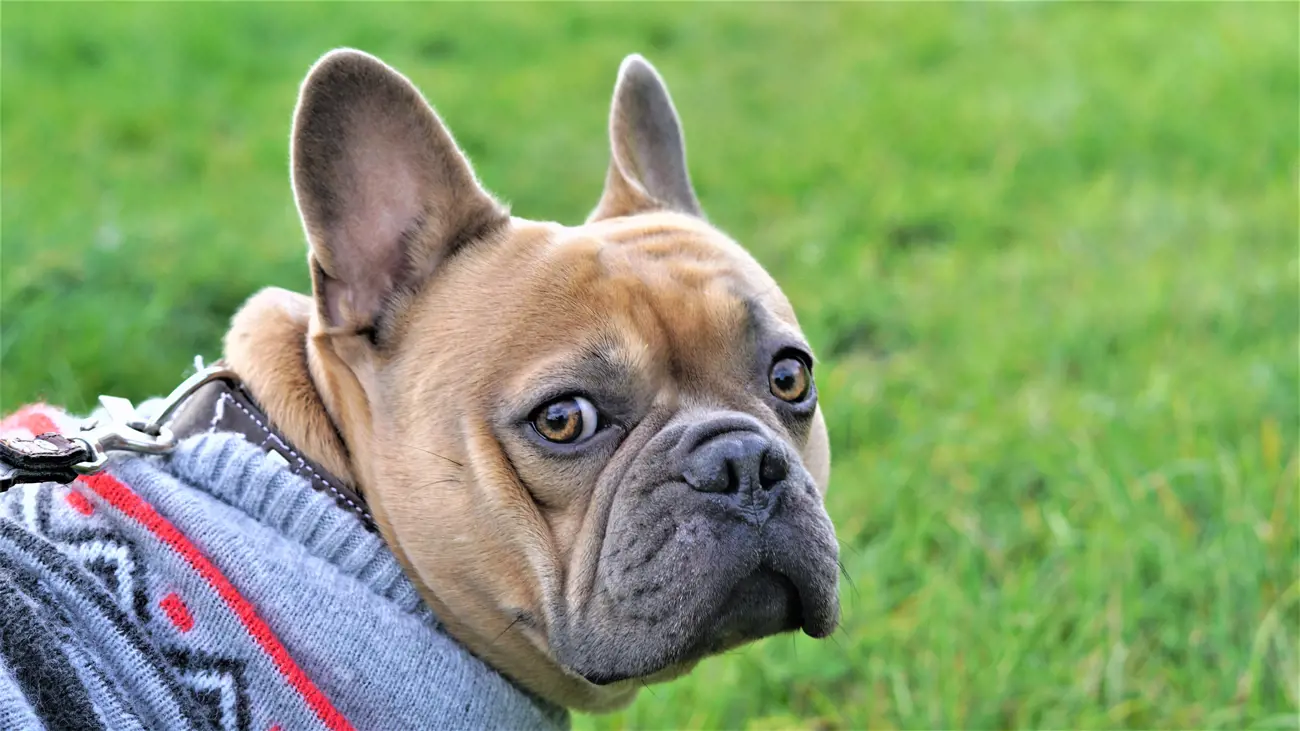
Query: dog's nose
(742, 462)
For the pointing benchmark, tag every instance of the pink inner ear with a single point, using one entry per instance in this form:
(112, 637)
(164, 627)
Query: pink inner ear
(384, 204)
(381, 186)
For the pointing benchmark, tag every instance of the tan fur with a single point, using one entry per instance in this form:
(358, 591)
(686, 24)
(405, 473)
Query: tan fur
(267, 345)
(497, 539)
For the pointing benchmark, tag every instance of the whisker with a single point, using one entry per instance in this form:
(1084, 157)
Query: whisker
(856, 550)
(448, 481)
(852, 584)
(832, 637)
(433, 454)
(518, 618)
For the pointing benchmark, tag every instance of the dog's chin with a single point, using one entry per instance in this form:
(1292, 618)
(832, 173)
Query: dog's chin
(763, 604)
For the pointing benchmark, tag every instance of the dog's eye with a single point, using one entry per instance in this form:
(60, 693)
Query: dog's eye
(790, 380)
(567, 420)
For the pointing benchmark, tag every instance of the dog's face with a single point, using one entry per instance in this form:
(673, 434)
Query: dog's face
(597, 449)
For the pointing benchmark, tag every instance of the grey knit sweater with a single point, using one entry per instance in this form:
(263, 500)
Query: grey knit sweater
(214, 589)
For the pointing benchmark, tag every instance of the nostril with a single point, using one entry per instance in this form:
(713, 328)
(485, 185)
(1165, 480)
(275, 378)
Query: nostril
(712, 469)
(775, 467)
(733, 476)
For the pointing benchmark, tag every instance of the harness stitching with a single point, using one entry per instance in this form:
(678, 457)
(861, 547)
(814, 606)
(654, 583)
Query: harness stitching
(302, 463)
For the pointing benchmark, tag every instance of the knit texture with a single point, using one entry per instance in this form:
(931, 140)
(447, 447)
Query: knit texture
(215, 589)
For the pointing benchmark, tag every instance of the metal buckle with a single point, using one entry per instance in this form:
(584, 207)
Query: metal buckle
(124, 431)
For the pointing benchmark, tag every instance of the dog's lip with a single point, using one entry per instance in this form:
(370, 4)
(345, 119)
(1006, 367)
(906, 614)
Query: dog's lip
(819, 622)
(816, 616)
(602, 679)
(818, 608)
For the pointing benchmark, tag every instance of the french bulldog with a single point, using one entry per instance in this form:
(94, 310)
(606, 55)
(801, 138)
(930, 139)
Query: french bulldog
(597, 450)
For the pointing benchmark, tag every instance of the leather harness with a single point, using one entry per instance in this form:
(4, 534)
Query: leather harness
(212, 400)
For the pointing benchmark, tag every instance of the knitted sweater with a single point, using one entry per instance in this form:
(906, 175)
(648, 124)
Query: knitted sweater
(215, 589)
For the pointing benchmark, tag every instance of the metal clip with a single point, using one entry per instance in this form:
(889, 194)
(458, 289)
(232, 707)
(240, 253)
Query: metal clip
(124, 431)
(120, 432)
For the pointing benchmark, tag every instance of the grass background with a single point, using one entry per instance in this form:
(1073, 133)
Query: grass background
(1047, 253)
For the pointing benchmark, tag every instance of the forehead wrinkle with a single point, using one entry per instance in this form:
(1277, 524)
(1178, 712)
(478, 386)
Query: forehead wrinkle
(679, 306)
(597, 358)
(620, 350)
(698, 323)
(592, 300)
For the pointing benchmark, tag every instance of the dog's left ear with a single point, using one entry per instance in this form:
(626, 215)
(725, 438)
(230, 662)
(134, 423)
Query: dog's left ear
(384, 192)
(647, 170)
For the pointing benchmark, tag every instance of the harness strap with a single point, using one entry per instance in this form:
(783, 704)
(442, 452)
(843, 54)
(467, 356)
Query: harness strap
(224, 405)
(212, 400)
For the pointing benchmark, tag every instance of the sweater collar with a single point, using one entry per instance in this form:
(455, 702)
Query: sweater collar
(262, 485)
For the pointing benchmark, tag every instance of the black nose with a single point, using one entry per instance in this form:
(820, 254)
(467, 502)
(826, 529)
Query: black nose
(740, 462)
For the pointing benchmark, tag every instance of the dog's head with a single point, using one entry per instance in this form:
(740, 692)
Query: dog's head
(596, 449)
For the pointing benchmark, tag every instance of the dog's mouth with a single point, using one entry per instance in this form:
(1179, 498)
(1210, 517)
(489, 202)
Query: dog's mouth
(763, 604)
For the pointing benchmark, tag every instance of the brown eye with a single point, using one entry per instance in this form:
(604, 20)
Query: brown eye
(790, 380)
(566, 420)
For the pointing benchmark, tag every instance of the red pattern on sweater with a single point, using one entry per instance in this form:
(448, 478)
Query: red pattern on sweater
(37, 420)
(79, 502)
(177, 612)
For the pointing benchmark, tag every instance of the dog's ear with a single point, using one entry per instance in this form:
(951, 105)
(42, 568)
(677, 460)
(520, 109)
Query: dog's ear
(384, 192)
(647, 170)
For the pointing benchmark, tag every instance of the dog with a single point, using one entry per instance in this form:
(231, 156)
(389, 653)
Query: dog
(596, 451)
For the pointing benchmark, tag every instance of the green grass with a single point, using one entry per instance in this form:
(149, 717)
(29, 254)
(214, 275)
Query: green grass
(1047, 253)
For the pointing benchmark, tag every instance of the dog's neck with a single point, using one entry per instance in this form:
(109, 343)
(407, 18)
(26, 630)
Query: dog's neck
(269, 346)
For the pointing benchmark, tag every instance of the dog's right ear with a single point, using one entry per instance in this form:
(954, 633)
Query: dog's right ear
(384, 192)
